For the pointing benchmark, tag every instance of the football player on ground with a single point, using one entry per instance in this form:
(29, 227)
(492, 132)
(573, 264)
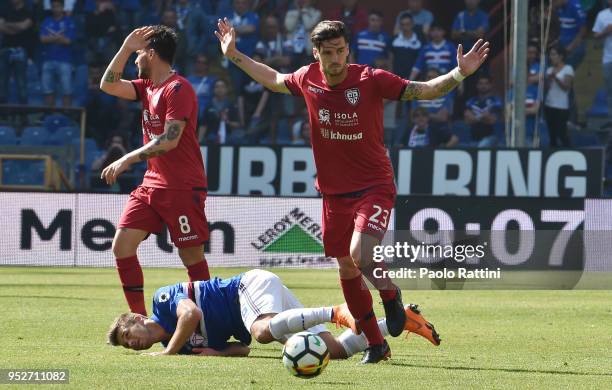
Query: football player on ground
(200, 317)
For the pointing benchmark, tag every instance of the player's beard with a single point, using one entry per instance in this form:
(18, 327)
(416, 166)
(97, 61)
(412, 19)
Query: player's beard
(144, 72)
(335, 70)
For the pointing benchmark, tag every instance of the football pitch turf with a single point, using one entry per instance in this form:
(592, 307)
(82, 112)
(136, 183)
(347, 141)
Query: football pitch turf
(57, 318)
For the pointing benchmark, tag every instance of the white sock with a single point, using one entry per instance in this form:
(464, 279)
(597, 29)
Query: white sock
(296, 320)
(355, 343)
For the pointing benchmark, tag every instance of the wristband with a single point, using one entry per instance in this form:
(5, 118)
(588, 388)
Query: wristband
(457, 75)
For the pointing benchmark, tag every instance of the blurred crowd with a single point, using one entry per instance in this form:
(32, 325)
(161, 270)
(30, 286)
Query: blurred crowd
(53, 52)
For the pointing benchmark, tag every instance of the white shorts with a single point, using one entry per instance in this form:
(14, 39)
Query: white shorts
(262, 292)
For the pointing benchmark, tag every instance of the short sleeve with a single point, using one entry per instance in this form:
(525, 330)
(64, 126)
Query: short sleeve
(139, 86)
(599, 25)
(164, 308)
(389, 85)
(568, 70)
(294, 81)
(179, 101)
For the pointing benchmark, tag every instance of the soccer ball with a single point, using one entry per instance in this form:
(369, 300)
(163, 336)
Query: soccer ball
(305, 355)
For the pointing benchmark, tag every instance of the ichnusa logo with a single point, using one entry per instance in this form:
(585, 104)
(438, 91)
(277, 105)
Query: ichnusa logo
(293, 239)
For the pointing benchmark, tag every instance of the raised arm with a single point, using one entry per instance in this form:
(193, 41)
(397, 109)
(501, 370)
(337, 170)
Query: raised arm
(259, 72)
(111, 82)
(441, 85)
(167, 141)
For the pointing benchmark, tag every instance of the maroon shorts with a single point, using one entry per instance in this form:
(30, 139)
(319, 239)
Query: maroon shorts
(366, 211)
(182, 211)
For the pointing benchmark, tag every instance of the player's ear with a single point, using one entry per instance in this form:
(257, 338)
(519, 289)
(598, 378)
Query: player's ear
(315, 53)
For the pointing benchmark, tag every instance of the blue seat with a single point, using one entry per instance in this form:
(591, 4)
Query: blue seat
(599, 108)
(64, 135)
(55, 121)
(23, 172)
(8, 136)
(583, 138)
(91, 151)
(34, 136)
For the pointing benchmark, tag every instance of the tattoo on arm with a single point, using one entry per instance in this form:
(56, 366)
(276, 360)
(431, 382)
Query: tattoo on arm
(414, 90)
(235, 59)
(447, 85)
(147, 155)
(112, 77)
(174, 130)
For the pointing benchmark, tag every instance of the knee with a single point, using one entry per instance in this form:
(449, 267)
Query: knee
(123, 247)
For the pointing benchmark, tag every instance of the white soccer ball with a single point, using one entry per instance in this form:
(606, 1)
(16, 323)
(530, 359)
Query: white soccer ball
(305, 355)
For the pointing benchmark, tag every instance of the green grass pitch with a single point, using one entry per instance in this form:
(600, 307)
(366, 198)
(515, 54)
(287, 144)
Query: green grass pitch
(58, 317)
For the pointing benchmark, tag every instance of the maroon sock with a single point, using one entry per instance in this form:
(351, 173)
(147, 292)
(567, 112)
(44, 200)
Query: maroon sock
(383, 283)
(359, 302)
(132, 280)
(198, 271)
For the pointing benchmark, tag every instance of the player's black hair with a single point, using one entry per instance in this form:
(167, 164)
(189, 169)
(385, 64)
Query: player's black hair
(376, 12)
(163, 41)
(326, 30)
(57, 1)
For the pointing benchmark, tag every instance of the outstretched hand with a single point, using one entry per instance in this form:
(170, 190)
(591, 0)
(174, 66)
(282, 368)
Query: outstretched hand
(226, 35)
(469, 63)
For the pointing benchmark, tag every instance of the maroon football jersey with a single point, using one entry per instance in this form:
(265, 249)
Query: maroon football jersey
(346, 123)
(182, 168)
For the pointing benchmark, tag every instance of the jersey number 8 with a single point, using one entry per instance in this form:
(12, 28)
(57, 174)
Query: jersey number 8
(184, 223)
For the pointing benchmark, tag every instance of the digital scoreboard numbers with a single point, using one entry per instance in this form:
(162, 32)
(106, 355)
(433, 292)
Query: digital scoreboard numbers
(510, 234)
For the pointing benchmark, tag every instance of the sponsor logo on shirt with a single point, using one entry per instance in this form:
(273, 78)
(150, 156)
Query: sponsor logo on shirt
(375, 227)
(315, 89)
(352, 96)
(324, 116)
(150, 121)
(336, 135)
(188, 238)
(346, 119)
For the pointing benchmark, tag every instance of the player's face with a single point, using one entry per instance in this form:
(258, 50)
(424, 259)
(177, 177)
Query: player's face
(135, 336)
(333, 55)
(143, 63)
